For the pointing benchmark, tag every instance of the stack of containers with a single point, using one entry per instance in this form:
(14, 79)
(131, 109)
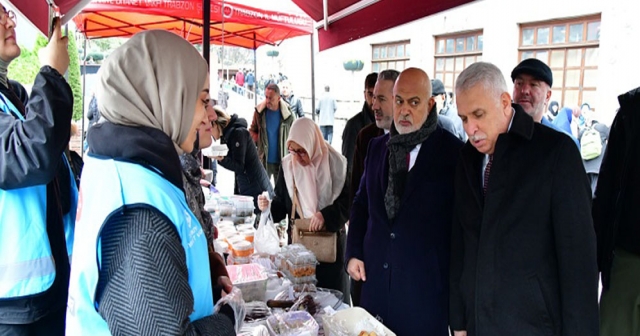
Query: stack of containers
(298, 264)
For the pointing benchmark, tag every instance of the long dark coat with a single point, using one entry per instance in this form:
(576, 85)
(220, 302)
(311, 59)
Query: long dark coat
(407, 259)
(523, 258)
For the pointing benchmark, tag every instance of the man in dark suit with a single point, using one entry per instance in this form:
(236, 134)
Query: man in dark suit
(399, 233)
(523, 252)
(383, 112)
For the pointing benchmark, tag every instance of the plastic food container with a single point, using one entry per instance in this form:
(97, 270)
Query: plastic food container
(242, 249)
(225, 224)
(243, 205)
(301, 270)
(248, 234)
(226, 207)
(216, 150)
(297, 323)
(353, 321)
(242, 227)
(251, 279)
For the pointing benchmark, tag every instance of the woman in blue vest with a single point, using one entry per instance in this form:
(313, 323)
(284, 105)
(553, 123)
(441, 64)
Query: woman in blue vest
(141, 267)
(37, 191)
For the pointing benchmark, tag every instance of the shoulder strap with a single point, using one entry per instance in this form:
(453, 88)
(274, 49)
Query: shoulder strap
(295, 204)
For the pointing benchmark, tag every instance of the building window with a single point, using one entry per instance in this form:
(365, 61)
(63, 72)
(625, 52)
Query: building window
(454, 53)
(393, 55)
(571, 49)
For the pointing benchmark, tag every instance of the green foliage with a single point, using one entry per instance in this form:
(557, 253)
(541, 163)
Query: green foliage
(74, 77)
(24, 68)
(96, 56)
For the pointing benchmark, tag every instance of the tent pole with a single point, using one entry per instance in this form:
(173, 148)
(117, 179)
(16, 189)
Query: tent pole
(84, 90)
(206, 33)
(313, 81)
(222, 54)
(206, 40)
(255, 72)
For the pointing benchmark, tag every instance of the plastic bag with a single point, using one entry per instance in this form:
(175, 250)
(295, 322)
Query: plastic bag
(266, 238)
(235, 301)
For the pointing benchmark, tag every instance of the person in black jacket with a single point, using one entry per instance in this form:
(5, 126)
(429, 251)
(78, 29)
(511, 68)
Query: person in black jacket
(358, 121)
(616, 216)
(34, 135)
(523, 249)
(294, 102)
(242, 158)
(319, 174)
(145, 277)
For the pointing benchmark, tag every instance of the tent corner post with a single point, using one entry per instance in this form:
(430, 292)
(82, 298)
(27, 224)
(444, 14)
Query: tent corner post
(313, 81)
(255, 71)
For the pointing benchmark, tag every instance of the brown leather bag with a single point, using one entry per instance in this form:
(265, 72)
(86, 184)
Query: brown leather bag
(323, 244)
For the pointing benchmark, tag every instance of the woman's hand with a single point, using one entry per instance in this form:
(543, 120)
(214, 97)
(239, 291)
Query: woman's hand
(317, 222)
(226, 284)
(218, 158)
(263, 202)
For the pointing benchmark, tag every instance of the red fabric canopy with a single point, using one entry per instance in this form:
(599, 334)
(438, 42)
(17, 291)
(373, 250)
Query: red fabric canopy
(244, 26)
(374, 18)
(37, 11)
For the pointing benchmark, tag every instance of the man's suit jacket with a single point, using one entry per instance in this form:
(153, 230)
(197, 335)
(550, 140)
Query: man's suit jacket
(407, 259)
(523, 257)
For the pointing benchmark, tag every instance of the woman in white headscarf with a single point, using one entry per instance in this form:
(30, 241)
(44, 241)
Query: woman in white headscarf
(319, 173)
(140, 263)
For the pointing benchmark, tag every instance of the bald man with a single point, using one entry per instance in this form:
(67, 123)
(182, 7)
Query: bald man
(401, 215)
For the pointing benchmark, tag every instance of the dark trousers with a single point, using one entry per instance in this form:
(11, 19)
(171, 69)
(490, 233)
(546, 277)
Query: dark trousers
(620, 305)
(272, 170)
(50, 325)
(327, 133)
(356, 292)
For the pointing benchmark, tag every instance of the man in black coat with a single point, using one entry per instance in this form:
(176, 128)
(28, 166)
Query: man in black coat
(523, 252)
(358, 121)
(616, 216)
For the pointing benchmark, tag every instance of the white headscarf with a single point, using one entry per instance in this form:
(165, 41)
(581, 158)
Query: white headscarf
(152, 80)
(320, 183)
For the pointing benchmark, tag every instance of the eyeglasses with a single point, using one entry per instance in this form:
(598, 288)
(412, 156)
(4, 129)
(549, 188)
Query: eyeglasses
(299, 152)
(7, 14)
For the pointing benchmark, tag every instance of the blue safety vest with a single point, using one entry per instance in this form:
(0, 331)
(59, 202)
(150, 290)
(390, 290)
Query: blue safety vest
(26, 264)
(108, 186)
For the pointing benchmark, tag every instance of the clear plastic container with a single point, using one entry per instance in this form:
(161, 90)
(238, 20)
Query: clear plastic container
(225, 224)
(297, 323)
(243, 205)
(251, 279)
(226, 206)
(242, 227)
(248, 234)
(301, 270)
(242, 249)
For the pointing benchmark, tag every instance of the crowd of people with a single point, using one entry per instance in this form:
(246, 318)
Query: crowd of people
(477, 218)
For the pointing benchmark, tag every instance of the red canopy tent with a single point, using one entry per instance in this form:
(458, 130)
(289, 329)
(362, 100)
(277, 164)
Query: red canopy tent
(37, 11)
(244, 26)
(343, 21)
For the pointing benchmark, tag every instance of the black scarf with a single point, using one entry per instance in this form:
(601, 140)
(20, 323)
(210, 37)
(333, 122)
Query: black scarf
(146, 146)
(399, 147)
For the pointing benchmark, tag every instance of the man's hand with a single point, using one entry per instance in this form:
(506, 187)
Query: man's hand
(55, 53)
(356, 270)
(317, 222)
(263, 202)
(460, 333)
(225, 283)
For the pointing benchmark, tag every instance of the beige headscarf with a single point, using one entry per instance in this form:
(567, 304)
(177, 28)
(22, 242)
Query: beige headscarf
(152, 80)
(320, 183)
